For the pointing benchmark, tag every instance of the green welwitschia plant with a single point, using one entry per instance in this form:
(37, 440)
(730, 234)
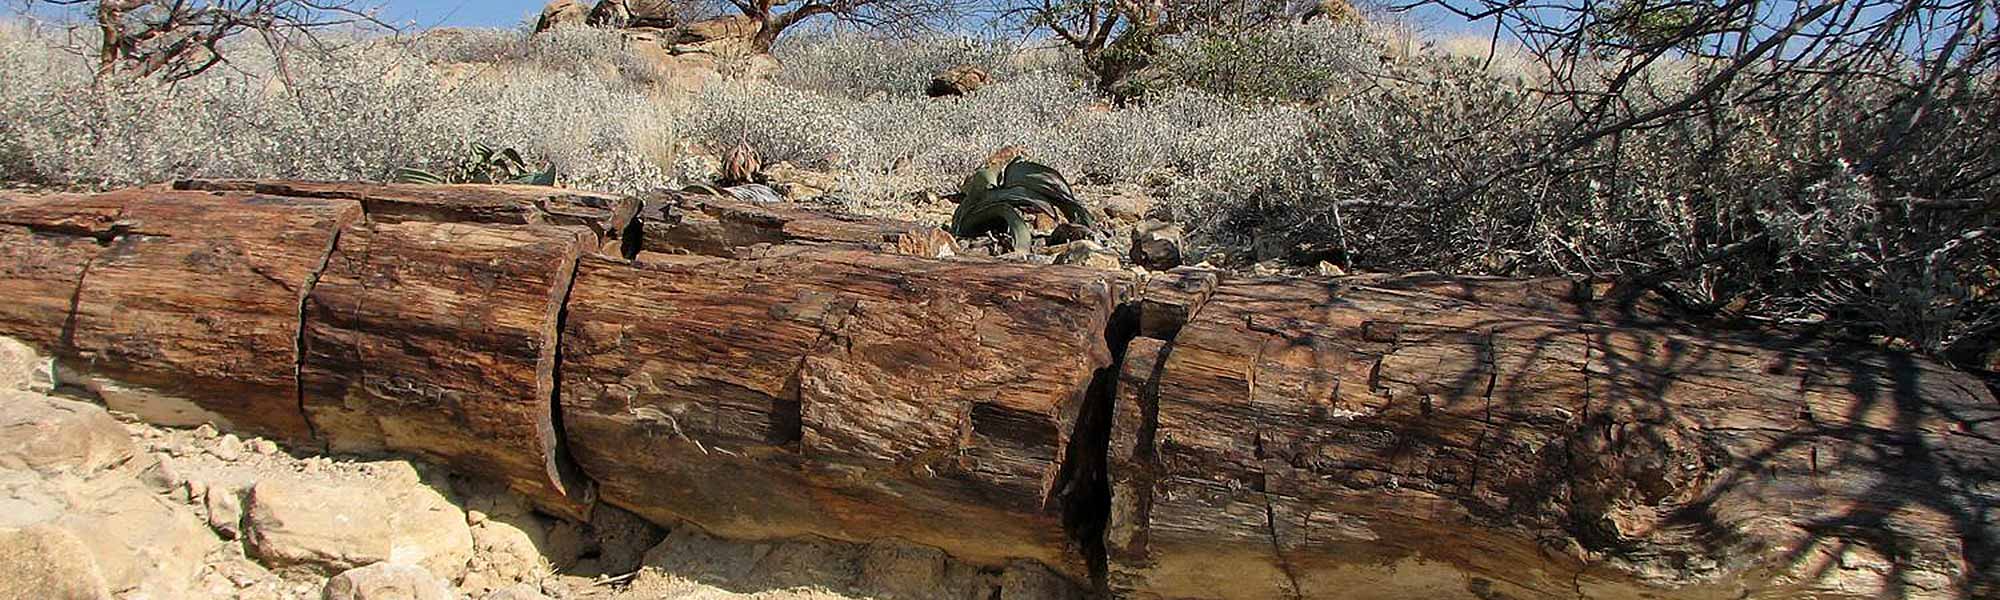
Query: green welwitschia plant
(994, 197)
(482, 164)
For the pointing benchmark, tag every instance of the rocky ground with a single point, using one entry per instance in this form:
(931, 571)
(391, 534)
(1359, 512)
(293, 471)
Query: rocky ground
(94, 504)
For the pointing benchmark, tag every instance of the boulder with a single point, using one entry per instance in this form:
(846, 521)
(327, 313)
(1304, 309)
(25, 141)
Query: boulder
(1086, 253)
(143, 545)
(1156, 245)
(656, 14)
(24, 368)
(387, 581)
(562, 13)
(610, 14)
(45, 562)
(957, 81)
(326, 529)
(52, 435)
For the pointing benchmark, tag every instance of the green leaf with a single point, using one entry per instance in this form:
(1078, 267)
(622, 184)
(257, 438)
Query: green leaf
(547, 177)
(416, 175)
(1048, 184)
(997, 216)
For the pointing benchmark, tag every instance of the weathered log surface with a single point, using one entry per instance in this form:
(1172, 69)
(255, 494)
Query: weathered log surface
(837, 392)
(440, 339)
(178, 295)
(46, 244)
(1365, 437)
(728, 227)
(605, 215)
(1310, 439)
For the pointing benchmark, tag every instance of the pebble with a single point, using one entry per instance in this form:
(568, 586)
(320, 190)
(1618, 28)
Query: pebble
(264, 447)
(228, 448)
(473, 517)
(205, 431)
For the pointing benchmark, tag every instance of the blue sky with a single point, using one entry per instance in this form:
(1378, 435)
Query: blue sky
(462, 13)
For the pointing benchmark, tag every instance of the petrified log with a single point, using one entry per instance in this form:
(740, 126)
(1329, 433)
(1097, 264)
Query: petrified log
(188, 305)
(605, 215)
(45, 245)
(440, 339)
(1308, 439)
(1413, 436)
(727, 227)
(838, 392)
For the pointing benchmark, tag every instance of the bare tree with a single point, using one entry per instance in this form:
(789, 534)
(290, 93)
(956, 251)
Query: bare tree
(177, 39)
(773, 17)
(1121, 38)
(1902, 92)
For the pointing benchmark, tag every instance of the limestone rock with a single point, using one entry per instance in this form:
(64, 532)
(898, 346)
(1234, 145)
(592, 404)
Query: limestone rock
(295, 524)
(24, 368)
(224, 506)
(45, 562)
(387, 581)
(141, 544)
(52, 435)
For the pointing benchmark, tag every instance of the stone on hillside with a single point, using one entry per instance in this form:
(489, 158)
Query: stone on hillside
(1070, 232)
(52, 435)
(1087, 253)
(958, 81)
(1156, 245)
(610, 14)
(387, 581)
(1126, 205)
(562, 13)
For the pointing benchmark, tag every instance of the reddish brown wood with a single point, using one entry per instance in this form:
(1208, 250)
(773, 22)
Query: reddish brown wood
(1313, 440)
(718, 226)
(605, 215)
(440, 339)
(197, 299)
(46, 243)
(837, 392)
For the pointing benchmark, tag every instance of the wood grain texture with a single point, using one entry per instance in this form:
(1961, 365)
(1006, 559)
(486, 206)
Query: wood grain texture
(837, 392)
(605, 215)
(676, 222)
(1312, 439)
(46, 244)
(440, 339)
(198, 298)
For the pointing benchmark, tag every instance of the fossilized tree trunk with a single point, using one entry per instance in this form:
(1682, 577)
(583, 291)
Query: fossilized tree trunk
(838, 392)
(764, 371)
